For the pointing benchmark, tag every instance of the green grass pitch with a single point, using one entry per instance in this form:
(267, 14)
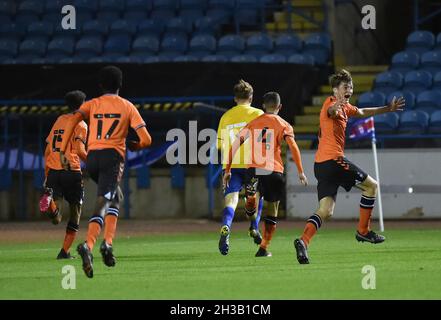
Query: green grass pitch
(189, 266)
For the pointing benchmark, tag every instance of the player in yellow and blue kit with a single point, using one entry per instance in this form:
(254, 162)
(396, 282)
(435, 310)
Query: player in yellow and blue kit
(229, 126)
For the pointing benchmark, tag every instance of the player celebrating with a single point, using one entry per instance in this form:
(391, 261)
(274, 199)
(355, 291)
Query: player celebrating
(265, 172)
(229, 126)
(109, 119)
(332, 169)
(68, 184)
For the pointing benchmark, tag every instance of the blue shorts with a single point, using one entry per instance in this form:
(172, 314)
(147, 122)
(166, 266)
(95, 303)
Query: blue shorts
(236, 182)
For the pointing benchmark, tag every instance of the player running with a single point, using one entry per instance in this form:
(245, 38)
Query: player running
(229, 126)
(109, 119)
(333, 170)
(265, 172)
(60, 183)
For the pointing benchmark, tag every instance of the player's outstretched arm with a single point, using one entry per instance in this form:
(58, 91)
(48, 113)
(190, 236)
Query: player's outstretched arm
(68, 132)
(145, 140)
(295, 153)
(394, 105)
(80, 149)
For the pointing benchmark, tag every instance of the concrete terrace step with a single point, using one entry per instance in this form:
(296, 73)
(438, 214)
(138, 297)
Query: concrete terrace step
(311, 110)
(311, 129)
(364, 68)
(307, 120)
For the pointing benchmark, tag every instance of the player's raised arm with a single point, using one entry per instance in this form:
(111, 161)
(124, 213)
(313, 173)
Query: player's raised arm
(295, 153)
(394, 105)
(145, 140)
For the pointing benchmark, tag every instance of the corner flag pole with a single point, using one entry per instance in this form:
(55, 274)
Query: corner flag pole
(377, 174)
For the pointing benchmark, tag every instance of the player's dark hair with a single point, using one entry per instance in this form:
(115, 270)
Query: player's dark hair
(271, 100)
(110, 79)
(341, 76)
(74, 99)
(243, 90)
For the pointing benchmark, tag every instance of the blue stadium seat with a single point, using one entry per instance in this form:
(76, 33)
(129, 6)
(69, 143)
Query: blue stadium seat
(179, 25)
(90, 6)
(206, 25)
(319, 46)
(123, 27)
(32, 48)
(417, 81)
(4, 19)
(139, 5)
(26, 18)
(287, 44)
(249, 12)
(111, 5)
(135, 16)
(125, 59)
(405, 61)
(389, 81)
(215, 58)
(420, 41)
(168, 56)
(186, 58)
(429, 98)
(162, 15)
(60, 46)
(7, 11)
(41, 28)
(163, 9)
(55, 6)
(259, 45)
(108, 16)
(230, 45)
(431, 62)
(299, 58)
(409, 97)
(202, 45)
(151, 27)
(174, 44)
(244, 58)
(95, 28)
(438, 42)
(415, 122)
(59, 31)
(437, 81)
(386, 123)
(221, 10)
(12, 31)
(117, 44)
(89, 46)
(165, 4)
(435, 122)
(273, 58)
(191, 14)
(31, 7)
(155, 59)
(371, 99)
(8, 48)
(147, 45)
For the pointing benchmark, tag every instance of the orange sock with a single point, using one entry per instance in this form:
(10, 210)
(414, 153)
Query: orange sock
(366, 207)
(312, 225)
(53, 206)
(68, 240)
(94, 230)
(110, 226)
(269, 227)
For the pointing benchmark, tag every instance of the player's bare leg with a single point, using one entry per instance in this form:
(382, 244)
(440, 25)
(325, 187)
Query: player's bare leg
(71, 230)
(230, 204)
(314, 222)
(269, 227)
(364, 233)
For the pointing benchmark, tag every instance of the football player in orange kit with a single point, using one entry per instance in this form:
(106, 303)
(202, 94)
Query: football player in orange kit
(60, 183)
(109, 119)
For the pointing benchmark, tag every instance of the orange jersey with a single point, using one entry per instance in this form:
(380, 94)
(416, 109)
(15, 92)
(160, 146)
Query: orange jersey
(55, 138)
(266, 134)
(109, 119)
(333, 131)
